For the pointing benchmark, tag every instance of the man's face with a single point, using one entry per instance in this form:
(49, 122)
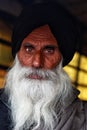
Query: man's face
(40, 50)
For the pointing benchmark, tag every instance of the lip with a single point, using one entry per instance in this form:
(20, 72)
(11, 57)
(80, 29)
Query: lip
(35, 76)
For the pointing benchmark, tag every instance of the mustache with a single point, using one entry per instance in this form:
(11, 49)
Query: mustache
(25, 72)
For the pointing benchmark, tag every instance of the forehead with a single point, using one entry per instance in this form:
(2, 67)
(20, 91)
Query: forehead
(42, 33)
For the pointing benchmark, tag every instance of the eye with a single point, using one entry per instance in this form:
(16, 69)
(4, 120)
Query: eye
(28, 48)
(49, 49)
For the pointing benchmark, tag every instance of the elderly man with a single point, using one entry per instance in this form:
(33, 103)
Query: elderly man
(38, 94)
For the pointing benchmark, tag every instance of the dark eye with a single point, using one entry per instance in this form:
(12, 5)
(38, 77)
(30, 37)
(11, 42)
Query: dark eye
(28, 48)
(49, 49)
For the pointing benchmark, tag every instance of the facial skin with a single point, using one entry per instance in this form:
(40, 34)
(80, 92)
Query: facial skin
(40, 49)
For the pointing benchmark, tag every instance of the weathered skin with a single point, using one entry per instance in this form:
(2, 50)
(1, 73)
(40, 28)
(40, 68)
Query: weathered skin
(40, 49)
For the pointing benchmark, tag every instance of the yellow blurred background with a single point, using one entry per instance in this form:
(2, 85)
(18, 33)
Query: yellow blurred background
(77, 70)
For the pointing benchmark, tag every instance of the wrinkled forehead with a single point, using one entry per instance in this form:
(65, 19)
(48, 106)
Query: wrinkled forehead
(41, 33)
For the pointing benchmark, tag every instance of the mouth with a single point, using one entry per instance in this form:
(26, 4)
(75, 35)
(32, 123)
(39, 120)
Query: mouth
(36, 77)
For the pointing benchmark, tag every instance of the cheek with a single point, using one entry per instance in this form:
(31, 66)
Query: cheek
(24, 59)
(52, 61)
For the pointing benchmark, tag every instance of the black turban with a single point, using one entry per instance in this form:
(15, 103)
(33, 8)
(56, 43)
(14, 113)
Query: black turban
(63, 25)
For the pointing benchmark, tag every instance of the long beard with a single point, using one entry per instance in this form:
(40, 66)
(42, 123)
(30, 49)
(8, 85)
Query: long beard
(34, 102)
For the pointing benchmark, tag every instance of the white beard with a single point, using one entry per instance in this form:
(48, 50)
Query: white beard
(34, 101)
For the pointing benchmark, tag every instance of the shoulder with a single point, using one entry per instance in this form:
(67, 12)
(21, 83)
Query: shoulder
(3, 107)
(85, 113)
(81, 105)
(82, 111)
(85, 108)
(3, 101)
(4, 112)
(85, 103)
(1, 91)
(80, 114)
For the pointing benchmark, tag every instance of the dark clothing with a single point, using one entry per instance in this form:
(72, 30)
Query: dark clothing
(4, 113)
(74, 116)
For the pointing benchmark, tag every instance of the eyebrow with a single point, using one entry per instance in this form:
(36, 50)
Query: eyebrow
(50, 46)
(28, 44)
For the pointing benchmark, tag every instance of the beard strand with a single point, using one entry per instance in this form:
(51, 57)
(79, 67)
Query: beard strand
(33, 102)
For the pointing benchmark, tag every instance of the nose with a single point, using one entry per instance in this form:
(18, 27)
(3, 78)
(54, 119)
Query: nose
(37, 60)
